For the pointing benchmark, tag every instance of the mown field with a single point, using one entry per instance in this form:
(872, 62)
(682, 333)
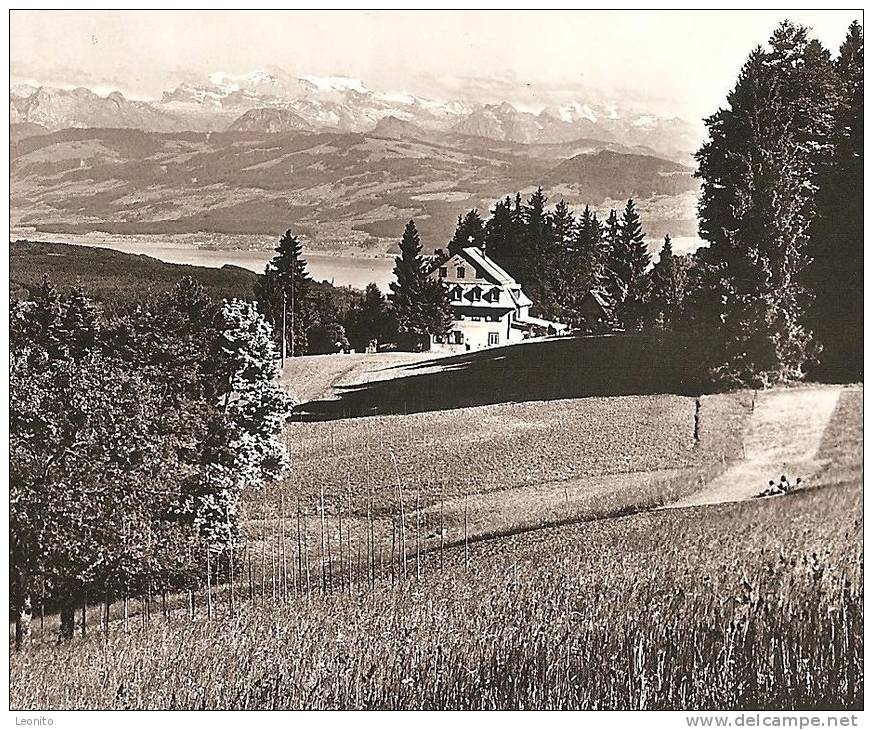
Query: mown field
(428, 480)
(747, 605)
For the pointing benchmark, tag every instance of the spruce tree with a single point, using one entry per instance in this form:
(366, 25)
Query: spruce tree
(537, 220)
(563, 225)
(631, 260)
(612, 286)
(759, 170)
(470, 231)
(420, 304)
(563, 272)
(499, 231)
(633, 246)
(836, 247)
(536, 262)
(285, 290)
(409, 282)
(667, 289)
(590, 249)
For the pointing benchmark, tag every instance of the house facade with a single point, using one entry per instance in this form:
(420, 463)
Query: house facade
(489, 307)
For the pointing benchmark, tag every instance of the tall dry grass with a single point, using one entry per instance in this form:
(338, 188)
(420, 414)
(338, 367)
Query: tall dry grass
(755, 605)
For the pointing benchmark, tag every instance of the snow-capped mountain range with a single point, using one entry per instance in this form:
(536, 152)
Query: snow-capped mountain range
(338, 103)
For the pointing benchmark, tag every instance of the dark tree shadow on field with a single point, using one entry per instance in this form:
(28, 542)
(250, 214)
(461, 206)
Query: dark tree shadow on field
(549, 369)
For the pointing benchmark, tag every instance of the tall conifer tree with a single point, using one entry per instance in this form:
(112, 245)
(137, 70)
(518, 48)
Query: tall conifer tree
(500, 231)
(836, 245)
(758, 170)
(667, 288)
(284, 291)
(421, 304)
(631, 260)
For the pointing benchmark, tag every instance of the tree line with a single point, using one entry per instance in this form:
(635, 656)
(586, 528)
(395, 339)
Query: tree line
(559, 257)
(132, 436)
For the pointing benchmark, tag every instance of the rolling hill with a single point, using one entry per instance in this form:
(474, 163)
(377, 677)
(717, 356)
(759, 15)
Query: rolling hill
(339, 190)
(609, 175)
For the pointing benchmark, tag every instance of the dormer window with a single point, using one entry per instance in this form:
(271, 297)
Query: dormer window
(461, 272)
(456, 293)
(495, 294)
(444, 272)
(476, 294)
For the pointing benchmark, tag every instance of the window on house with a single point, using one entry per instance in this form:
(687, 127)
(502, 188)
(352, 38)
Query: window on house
(461, 273)
(477, 294)
(493, 338)
(476, 318)
(456, 293)
(444, 272)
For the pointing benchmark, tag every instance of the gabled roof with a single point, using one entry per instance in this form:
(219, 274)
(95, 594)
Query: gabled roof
(487, 266)
(600, 298)
(521, 299)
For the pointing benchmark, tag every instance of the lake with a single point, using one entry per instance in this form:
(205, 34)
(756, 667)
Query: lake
(352, 269)
(355, 270)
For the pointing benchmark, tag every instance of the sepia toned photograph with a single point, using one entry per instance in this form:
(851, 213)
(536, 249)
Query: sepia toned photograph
(436, 360)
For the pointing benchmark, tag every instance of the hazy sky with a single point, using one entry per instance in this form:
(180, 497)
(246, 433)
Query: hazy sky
(679, 61)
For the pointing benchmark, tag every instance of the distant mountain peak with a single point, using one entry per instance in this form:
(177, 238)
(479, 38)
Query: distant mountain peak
(271, 120)
(394, 128)
(575, 110)
(505, 108)
(240, 82)
(334, 83)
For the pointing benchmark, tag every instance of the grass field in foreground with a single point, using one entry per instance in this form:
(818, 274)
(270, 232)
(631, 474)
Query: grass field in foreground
(753, 605)
(748, 605)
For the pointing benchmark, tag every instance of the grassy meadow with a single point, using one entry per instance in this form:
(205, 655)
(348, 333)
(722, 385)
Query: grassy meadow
(429, 480)
(746, 605)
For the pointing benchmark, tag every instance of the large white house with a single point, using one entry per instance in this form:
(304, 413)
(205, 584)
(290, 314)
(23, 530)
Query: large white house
(489, 308)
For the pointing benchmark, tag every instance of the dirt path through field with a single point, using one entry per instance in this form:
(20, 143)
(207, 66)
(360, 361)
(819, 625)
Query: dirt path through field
(782, 437)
